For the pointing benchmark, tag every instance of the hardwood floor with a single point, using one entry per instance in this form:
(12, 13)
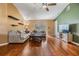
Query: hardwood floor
(51, 47)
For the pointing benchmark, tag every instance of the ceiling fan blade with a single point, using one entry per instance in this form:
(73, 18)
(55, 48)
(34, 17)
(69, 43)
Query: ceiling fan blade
(47, 9)
(51, 4)
(44, 3)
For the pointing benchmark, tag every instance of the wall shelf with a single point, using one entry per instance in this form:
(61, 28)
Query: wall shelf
(20, 23)
(14, 25)
(14, 18)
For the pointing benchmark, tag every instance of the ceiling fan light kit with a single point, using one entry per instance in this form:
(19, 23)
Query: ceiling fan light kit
(44, 6)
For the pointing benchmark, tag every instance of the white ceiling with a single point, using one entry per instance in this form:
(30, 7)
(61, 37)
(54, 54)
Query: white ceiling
(35, 11)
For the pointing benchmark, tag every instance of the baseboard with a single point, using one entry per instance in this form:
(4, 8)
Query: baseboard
(3, 44)
(75, 43)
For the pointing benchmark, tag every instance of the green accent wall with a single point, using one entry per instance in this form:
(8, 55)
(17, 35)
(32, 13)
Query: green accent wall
(70, 16)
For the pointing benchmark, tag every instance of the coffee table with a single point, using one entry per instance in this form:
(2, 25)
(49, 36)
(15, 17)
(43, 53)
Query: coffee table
(37, 37)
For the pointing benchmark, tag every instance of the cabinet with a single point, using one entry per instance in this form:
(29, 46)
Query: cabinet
(67, 37)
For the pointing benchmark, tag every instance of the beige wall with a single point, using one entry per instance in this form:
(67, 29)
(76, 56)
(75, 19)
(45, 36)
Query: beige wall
(12, 10)
(51, 27)
(5, 21)
(50, 24)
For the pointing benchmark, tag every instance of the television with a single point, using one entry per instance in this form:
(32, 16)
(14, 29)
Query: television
(73, 28)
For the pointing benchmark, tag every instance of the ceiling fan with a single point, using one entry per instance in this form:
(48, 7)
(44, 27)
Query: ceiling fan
(46, 5)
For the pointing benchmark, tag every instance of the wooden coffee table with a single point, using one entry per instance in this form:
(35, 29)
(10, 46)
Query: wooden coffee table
(37, 37)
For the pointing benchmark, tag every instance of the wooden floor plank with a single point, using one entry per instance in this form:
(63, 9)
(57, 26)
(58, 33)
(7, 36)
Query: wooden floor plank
(49, 47)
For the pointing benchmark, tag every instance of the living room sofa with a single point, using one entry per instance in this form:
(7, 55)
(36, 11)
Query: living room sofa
(18, 36)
